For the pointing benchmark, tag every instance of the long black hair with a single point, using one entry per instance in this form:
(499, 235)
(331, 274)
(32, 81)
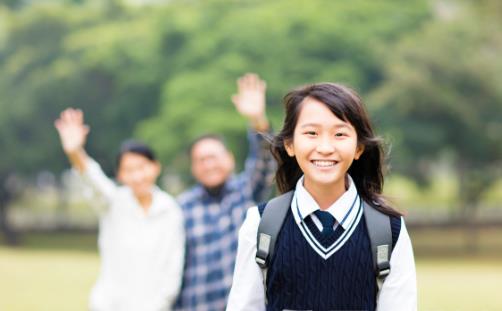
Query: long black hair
(367, 172)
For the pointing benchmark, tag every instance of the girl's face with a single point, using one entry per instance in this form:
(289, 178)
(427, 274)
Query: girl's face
(324, 146)
(138, 173)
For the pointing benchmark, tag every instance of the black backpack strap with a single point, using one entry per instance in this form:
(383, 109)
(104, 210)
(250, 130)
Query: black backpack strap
(380, 234)
(270, 224)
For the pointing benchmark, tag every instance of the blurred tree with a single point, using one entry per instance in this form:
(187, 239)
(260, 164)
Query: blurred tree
(11, 3)
(209, 44)
(56, 56)
(442, 97)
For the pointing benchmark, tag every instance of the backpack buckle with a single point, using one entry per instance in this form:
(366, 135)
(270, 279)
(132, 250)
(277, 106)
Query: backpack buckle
(263, 250)
(384, 272)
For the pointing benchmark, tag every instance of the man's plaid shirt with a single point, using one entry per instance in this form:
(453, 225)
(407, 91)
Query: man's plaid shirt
(212, 226)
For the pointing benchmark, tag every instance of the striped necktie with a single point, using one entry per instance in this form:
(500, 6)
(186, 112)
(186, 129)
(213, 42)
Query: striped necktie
(327, 220)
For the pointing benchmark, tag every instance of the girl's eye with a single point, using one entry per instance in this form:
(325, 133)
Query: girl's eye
(310, 133)
(340, 134)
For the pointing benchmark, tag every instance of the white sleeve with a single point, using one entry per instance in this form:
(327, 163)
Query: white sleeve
(96, 178)
(247, 292)
(399, 291)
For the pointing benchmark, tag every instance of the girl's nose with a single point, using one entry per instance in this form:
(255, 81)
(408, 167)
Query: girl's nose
(325, 145)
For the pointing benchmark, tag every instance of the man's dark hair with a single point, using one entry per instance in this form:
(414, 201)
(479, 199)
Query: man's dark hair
(210, 136)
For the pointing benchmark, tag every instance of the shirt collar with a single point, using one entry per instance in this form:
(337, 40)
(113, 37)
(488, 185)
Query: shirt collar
(304, 204)
(228, 186)
(157, 206)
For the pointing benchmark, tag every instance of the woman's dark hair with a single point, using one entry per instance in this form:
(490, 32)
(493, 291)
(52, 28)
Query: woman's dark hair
(133, 146)
(367, 172)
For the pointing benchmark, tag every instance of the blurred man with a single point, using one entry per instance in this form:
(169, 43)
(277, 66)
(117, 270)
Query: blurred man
(215, 208)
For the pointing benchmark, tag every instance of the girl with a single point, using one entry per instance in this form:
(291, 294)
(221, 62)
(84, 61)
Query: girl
(141, 237)
(328, 154)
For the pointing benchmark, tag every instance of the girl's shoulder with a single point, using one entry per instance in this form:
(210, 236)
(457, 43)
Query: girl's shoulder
(261, 207)
(395, 226)
(282, 201)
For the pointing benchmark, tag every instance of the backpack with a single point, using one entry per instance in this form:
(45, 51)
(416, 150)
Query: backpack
(377, 223)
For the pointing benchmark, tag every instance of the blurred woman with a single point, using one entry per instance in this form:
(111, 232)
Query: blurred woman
(141, 237)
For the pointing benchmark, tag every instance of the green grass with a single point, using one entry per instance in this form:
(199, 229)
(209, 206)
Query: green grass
(49, 272)
(56, 272)
(459, 284)
(45, 280)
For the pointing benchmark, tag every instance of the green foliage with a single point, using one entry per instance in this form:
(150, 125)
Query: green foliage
(442, 98)
(210, 44)
(60, 56)
(166, 73)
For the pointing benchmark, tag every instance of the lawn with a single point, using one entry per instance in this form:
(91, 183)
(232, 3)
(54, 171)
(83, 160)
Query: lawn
(459, 284)
(56, 273)
(48, 273)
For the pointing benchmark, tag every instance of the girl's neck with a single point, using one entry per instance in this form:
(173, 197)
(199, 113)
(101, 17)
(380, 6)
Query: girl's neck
(325, 196)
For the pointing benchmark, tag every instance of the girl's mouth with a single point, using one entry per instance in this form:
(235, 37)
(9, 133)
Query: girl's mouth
(324, 163)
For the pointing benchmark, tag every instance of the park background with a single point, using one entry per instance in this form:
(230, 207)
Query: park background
(430, 72)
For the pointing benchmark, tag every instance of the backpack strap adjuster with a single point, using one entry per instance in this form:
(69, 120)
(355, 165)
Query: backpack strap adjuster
(262, 252)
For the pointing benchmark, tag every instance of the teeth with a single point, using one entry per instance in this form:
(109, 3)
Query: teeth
(324, 163)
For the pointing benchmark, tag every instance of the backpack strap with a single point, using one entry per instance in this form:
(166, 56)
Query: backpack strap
(270, 225)
(271, 222)
(380, 235)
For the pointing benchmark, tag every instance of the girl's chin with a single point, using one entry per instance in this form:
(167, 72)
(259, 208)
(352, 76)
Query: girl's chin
(319, 181)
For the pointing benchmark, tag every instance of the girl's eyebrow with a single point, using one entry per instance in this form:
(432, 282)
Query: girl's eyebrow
(310, 124)
(337, 126)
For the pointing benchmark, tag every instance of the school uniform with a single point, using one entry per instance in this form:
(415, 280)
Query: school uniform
(319, 268)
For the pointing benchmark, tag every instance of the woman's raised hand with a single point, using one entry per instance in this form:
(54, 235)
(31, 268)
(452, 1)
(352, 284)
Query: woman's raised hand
(72, 130)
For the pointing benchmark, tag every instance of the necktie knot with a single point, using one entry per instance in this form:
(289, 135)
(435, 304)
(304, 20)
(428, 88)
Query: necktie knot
(327, 221)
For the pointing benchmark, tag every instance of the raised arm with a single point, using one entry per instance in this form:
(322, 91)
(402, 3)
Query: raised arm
(73, 134)
(250, 101)
(260, 164)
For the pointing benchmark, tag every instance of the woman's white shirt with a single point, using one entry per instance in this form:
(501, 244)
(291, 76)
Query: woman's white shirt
(399, 291)
(142, 254)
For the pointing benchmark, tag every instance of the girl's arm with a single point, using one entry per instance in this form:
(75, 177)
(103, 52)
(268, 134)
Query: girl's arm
(399, 291)
(247, 292)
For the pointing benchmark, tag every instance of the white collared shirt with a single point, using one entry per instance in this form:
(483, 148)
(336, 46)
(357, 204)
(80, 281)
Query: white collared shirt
(398, 293)
(342, 209)
(141, 253)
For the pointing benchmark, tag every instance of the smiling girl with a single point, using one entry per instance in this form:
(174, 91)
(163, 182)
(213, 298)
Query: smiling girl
(329, 156)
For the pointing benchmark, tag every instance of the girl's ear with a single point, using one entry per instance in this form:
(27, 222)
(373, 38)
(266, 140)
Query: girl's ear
(359, 151)
(288, 145)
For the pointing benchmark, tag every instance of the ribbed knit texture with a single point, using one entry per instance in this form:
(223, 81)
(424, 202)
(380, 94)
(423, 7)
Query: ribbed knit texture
(299, 279)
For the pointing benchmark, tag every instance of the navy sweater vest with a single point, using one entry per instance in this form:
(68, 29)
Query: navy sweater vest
(299, 279)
